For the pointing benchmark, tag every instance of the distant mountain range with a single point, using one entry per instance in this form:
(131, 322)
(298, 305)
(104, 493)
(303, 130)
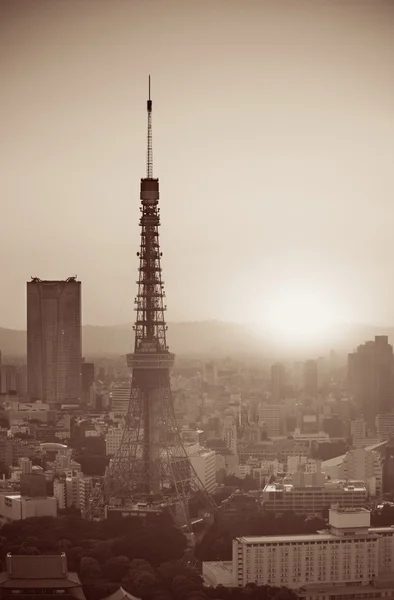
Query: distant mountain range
(215, 338)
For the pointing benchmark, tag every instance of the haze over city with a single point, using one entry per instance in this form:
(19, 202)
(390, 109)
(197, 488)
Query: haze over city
(273, 137)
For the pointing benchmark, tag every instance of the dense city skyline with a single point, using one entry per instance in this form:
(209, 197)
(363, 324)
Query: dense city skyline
(276, 136)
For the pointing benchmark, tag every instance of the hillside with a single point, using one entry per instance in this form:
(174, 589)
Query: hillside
(202, 337)
(207, 337)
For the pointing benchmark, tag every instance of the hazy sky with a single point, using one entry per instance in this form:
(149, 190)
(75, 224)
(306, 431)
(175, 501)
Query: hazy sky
(273, 141)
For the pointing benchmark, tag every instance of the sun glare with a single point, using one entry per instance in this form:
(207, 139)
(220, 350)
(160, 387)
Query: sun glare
(300, 317)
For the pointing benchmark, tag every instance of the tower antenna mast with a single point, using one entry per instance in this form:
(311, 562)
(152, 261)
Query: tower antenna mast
(149, 153)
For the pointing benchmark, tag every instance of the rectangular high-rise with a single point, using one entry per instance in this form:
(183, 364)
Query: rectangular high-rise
(54, 342)
(371, 378)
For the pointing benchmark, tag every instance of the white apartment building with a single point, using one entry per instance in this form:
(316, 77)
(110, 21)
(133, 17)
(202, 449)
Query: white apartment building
(113, 440)
(270, 419)
(347, 554)
(229, 433)
(85, 488)
(60, 493)
(204, 464)
(359, 464)
(279, 498)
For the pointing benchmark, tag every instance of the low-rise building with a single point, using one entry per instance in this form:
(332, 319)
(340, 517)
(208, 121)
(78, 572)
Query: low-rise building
(359, 464)
(279, 498)
(218, 573)
(15, 507)
(34, 576)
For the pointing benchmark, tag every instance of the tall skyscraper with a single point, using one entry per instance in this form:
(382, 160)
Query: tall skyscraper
(371, 378)
(54, 346)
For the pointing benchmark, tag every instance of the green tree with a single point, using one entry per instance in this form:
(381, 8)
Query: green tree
(89, 568)
(115, 569)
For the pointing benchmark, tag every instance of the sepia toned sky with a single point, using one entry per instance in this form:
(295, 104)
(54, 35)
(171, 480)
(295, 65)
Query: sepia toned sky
(273, 133)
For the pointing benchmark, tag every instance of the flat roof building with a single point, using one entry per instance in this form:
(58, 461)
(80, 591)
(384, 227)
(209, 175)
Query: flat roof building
(348, 553)
(279, 498)
(54, 341)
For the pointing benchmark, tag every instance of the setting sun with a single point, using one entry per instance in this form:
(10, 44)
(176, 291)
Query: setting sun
(298, 316)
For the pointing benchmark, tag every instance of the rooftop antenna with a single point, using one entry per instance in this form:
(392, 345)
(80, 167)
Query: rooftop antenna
(149, 153)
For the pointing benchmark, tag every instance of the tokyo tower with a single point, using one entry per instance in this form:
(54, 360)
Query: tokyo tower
(152, 467)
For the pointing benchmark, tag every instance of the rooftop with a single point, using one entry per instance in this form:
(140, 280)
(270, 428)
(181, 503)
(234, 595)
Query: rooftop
(37, 567)
(222, 566)
(347, 486)
(314, 537)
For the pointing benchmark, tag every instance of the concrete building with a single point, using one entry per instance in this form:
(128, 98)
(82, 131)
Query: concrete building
(270, 419)
(74, 490)
(54, 343)
(309, 465)
(8, 379)
(60, 493)
(113, 439)
(349, 553)
(16, 507)
(120, 398)
(229, 433)
(371, 378)
(359, 464)
(279, 498)
(385, 426)
(204, 464)
(358, 432)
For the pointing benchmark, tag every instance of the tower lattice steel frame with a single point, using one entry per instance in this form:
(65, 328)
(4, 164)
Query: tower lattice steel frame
(151, 465)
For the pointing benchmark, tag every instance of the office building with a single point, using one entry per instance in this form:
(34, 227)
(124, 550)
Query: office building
(371, 378)
(33, 485)
(229, 432)
(385, 426)
(358, 432)
(15, 507)
(54, 341)
(279, 498)
(270, 419)
(87, 380)
(113, 440)
(120, 399)
(204, 465)
(8, 379)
